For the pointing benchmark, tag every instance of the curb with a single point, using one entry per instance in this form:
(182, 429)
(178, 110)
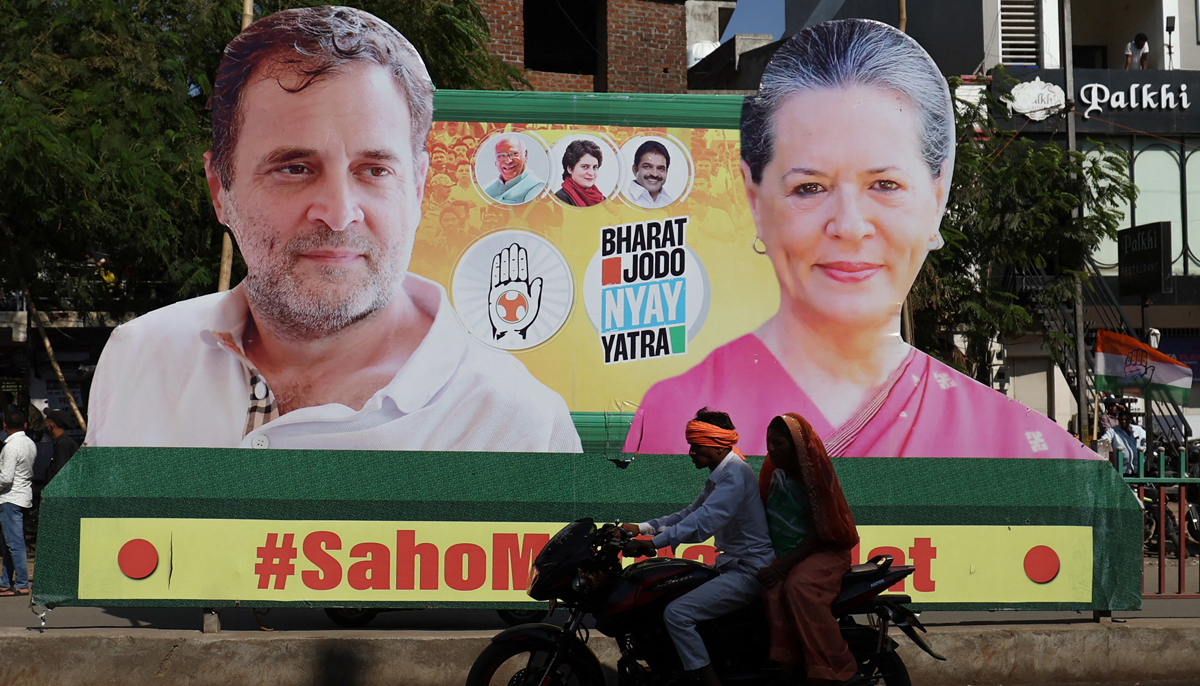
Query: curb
(1137, 650)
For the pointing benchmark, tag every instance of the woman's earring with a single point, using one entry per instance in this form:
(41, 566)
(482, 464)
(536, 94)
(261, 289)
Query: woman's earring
(937, 242)
(754, 246)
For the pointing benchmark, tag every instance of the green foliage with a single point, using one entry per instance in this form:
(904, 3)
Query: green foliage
(101, 131)
(103, 204)
(1017, 206)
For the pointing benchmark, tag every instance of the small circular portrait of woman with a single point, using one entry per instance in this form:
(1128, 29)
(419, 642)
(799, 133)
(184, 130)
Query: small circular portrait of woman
(589, 170)
(659, 171)
(511, 167)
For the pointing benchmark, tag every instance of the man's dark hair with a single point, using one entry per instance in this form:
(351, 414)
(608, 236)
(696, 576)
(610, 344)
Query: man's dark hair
(649, 147)
(15, 419)
(1124, 414)
(576, 150)
(715, 418)
(1140, 38)
(300, 46)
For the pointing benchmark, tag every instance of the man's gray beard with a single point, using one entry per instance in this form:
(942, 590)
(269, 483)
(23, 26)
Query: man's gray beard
(302, 309)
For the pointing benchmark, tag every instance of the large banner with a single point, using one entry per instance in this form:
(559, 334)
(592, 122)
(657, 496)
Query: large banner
(470, 289)
(537, 272)
(212, 528)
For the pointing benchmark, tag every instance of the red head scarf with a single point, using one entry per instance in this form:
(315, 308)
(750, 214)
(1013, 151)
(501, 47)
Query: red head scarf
(703, 433)
(833, 522)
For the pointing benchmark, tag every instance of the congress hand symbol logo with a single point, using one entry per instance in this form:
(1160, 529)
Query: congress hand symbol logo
(513, 299)
(1138, 372)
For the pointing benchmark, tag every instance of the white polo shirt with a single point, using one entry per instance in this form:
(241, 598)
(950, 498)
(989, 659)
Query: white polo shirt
(166, 379)
(639, 196)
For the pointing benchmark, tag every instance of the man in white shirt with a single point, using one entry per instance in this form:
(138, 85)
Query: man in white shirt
(318, 167)
(729, 509)
(651, 162)
(16, 496)
(1137, 51)
(1127, 440)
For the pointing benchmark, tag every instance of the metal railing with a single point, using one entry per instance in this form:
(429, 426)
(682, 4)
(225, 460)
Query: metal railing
(1163, 530)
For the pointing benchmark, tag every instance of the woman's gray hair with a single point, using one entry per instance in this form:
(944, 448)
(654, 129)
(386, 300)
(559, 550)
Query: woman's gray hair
(844, 53)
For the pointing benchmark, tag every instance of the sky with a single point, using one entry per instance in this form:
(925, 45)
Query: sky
(756, 16)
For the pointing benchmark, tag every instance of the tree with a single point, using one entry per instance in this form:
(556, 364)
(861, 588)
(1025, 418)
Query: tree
(103, 205)
(1016, 206)
(103, 125)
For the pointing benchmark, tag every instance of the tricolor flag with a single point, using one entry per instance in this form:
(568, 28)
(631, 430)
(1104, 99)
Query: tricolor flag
(1125, 365)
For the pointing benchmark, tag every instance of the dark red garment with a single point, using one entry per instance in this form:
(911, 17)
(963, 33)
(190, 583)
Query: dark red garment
(799, 608)
(833, 523)
(800, 620)
(580, 196)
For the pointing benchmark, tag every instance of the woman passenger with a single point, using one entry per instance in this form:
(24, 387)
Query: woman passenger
(581, 167)
(813, 532)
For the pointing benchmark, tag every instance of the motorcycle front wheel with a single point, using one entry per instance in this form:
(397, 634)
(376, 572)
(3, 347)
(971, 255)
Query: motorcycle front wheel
(524, 663)
(888, 668)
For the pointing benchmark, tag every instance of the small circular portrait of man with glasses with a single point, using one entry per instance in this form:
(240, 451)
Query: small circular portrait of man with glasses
(511, 167)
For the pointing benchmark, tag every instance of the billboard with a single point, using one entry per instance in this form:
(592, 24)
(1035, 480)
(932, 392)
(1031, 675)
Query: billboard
(537, 272)
(318, 528)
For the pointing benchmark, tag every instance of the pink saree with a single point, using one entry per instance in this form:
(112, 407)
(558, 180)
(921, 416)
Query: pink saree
(924, 409)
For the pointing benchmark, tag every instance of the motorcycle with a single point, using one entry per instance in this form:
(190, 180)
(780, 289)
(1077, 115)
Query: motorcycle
(581, 567)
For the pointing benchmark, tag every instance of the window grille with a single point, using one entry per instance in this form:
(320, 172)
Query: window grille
(1019, 29)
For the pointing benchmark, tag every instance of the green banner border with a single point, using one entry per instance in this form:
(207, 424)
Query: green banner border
(596, 109)
(361, 485)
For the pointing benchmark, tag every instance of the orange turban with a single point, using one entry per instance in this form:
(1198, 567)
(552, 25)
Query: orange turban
(703, 433)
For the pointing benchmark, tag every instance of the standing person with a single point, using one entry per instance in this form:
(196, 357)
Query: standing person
(64, 445)
(581, 165)
(1137, 51)
(729, 509)
(16, 495)
(1112, 413)
(1128, 439)
(517, 183)
(651, 162)
(813, 532)
(37, 423)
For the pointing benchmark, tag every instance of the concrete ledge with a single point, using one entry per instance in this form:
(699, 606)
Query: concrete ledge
(1139, 650)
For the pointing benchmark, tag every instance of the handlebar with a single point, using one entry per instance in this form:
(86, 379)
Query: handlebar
(618, 537)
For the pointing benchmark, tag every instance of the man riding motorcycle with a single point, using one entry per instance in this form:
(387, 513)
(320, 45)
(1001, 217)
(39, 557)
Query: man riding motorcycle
(729, 508)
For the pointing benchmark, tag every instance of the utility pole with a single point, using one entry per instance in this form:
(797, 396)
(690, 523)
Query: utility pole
(226, 272)
(1081, 368)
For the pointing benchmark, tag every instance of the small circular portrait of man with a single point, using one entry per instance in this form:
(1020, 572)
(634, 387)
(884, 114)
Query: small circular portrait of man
(512, 167)
(589, 170)
(660, 171)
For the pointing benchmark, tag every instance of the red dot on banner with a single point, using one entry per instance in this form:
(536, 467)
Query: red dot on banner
(1041, 564)
(138, 559)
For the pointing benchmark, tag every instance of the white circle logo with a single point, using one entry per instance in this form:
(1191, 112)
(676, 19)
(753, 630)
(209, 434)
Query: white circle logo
(646, 291)
(513, 290)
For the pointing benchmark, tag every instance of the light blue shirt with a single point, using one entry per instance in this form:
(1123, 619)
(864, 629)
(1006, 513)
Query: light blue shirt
(521, 189)
(1128, 444)
(728, 508)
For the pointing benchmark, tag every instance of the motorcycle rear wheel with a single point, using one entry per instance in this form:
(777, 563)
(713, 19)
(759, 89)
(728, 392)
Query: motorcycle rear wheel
(524, 663)
(889, 668)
